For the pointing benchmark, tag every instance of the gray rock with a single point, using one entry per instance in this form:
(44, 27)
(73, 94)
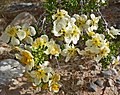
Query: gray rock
(107, 73)
(10, 69)
(114, 71)
(21, 6)
(109, 83)
(92, 87)
(23, 18)
(118, 81)
(99, 83)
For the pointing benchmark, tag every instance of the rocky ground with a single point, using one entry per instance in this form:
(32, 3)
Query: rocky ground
(78, 77)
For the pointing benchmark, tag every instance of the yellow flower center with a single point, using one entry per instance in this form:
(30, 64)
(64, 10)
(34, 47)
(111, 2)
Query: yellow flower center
(27, 32)
(55, 77)
(75, 32)
(103, 52)
(45, 86)
(72, 52)
(96, 41)
(41, 73)
(12, 31)
(80, 22)
(54, 51)
(63, 31)
(59, 14)
(55, 87)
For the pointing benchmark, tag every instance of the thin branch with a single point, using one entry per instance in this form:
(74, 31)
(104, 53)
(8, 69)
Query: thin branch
(105, 22)
(57, 63)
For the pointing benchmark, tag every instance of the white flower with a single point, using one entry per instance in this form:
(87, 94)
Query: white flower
(60, 14)
(81, 21)
(113, 32)
(11, 33)
(92, 49)
(103, 53)
(58, 25)
(54, 87)
(41, 75)
(72, 34)
(103, 1)
(94, 21)
(40, 41)
(116, 61)
(30, 31)
(97, 47)
(53, 48)
(26, 58)
(69, 52)
(97, 40)
(90, 32)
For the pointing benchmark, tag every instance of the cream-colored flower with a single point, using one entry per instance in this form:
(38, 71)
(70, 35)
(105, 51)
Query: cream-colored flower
(81, 21)
(94, 21)
(104, 51)
(55, 77)
(113, 32)
(90, 32)
(93, 49)
(60, 14)
(53, 48)
(69, 52)
(72, 34)
(43, 74)
(58, 25)
(54, 87)
(100, 1)
(116, 61)
(37, 76)
(13, 35)
(61, 20)
(26, 58)
(40, 41)
(75, 34)
(97, 40)
(30, 31)
(103, 1)
(87, 53)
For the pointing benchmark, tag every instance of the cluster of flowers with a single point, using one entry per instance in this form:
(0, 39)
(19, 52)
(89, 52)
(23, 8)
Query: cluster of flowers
(15, 34)
(72, 29)
(39, 71)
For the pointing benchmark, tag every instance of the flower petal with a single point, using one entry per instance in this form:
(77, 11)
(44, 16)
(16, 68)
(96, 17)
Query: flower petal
(32, 31)
(92, 16)
(29, 40)
(30, 66)
(37, 81)
(21, 34)
(45, 79)
(14, 41)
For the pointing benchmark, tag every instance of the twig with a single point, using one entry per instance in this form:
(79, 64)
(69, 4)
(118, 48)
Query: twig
(39, 19)
(57, 63)
(103, 91)
(105, 22)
